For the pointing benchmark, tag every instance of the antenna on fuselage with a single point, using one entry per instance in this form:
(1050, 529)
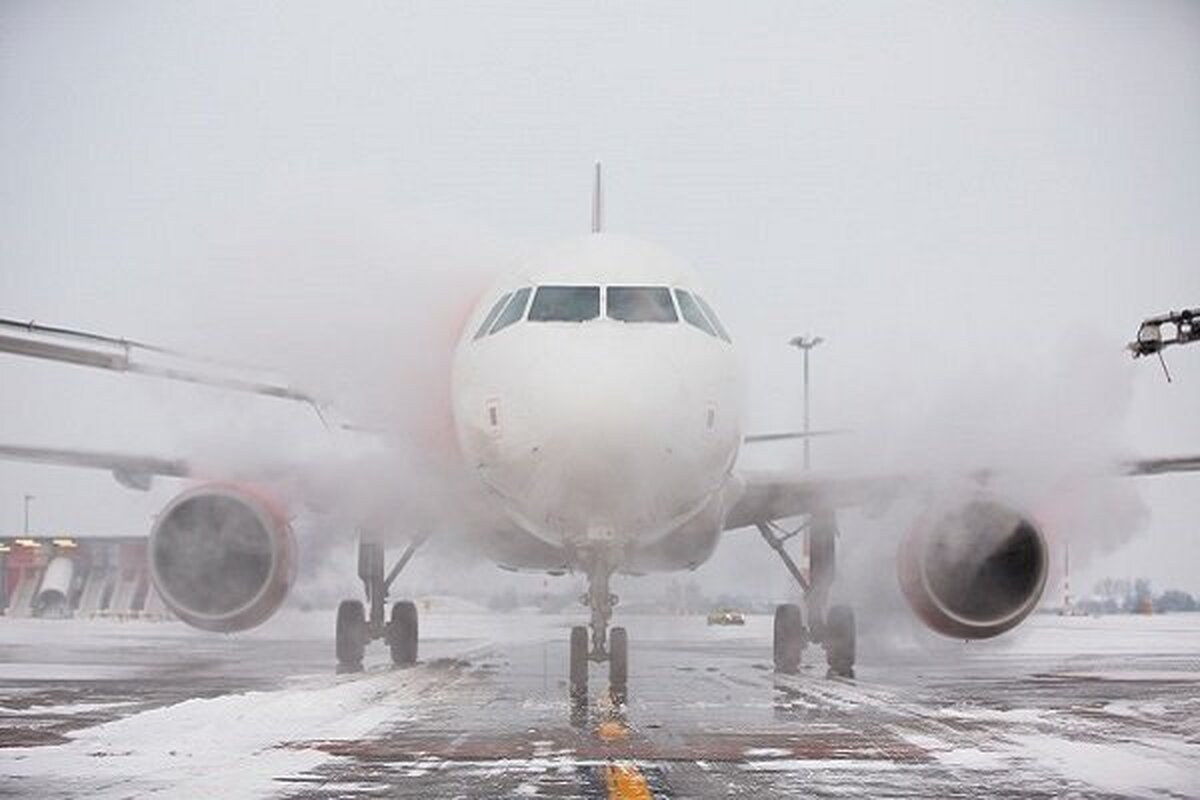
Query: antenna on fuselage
(598, 202)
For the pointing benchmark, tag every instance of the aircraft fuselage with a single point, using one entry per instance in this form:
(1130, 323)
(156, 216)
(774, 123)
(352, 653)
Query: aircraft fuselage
(600, 404)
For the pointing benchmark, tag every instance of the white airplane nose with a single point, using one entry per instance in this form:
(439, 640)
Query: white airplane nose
(611, 448)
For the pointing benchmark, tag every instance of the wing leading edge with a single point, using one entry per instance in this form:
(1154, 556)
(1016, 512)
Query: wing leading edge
(768, 496)
(131, 471)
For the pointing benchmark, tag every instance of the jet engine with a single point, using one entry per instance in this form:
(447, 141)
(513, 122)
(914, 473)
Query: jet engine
(222, 557)
(974, 570)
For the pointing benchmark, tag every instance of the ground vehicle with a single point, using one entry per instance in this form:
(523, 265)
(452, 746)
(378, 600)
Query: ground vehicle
(726, 616)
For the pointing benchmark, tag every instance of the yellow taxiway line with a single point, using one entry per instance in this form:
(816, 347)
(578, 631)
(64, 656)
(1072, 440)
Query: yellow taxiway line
(626, 782)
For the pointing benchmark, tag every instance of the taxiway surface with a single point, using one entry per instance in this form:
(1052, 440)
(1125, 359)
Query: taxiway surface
(1068, 707)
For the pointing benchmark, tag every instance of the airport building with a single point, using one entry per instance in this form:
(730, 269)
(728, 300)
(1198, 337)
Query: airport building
(77, 577)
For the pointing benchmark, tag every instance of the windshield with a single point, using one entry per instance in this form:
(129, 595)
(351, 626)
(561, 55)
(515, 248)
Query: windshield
(641, 304)
(565, 304)
(692, 313)
(513, 311)
(712, 317)
(491, 316)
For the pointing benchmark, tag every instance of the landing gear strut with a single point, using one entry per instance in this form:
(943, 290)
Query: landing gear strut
(614, 649)
(830, 626)
(601, 601)
(355, 629)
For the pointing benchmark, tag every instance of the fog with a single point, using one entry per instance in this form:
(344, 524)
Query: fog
(973, 205)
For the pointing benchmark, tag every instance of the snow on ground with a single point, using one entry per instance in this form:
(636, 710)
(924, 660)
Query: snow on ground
(1116, 634)
(228, 745)
(224, 746)
(1144, 768)
(1075, 705)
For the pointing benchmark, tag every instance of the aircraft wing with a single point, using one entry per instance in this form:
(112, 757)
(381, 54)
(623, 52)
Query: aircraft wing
(331, 480)
(755, 438)
(768, 496)
(1161, 466)
(132, 471)
(97, 351)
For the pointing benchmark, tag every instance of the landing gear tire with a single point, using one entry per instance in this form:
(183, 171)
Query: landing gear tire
(618, 664)
(789, 638)
(840, 634)
(579, 663)
(351, 635)
(402, 633)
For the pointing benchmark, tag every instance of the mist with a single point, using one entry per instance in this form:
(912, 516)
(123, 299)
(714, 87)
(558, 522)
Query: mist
(974, 209)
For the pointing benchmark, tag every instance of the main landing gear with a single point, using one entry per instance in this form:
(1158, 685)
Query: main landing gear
(612, 648)
(832, 627)
(355, 629)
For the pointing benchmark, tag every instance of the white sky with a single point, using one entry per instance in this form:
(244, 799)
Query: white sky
(974, 203)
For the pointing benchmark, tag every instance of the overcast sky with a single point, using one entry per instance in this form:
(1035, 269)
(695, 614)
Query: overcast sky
(975, 204)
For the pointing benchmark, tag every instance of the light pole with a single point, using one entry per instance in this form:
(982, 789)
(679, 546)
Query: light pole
(806, 343)
(28, 498)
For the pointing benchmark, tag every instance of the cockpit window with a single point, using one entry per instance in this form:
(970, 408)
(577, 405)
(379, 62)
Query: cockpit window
(692, 313)
(641, 304)
(712, 317)
(491, 316)
(513, 311)
(565, 304)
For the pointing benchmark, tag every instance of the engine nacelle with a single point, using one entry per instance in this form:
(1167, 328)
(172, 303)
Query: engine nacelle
(222, 558)
(975, 570)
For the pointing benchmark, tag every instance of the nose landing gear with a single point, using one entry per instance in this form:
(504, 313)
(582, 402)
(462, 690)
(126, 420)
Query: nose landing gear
(612, 648)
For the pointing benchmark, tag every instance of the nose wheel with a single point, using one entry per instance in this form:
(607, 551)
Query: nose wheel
(618, 665)
(579, 663)
(611, 646)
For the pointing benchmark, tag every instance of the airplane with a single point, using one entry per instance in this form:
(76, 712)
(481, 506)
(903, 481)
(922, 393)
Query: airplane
(597, 402)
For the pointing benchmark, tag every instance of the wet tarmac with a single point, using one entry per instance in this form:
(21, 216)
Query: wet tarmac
(1071, 707)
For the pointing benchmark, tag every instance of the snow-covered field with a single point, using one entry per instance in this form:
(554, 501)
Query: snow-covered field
(1071, 706)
